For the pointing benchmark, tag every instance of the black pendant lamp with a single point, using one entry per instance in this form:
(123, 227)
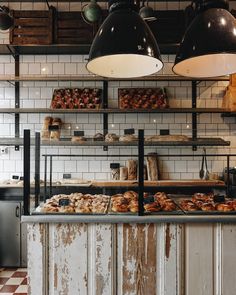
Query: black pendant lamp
(208, 48)
(124, 46)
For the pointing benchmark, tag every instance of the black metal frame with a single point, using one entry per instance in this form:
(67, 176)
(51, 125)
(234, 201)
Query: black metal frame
(141, 187)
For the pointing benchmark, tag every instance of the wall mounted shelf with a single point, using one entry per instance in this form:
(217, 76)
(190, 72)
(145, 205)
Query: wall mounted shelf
(226, 113)
(199, 142)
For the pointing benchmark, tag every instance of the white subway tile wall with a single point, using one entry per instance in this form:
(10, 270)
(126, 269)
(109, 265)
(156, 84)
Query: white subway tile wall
(39, 94)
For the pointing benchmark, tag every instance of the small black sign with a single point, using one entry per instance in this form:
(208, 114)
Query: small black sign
(22, 178)
(53, 127)
(15, 177)
(64, 202)
(78, 133)
(115, 165)
(66, 176)
(164, 132)
(219, 199)
(129, 131)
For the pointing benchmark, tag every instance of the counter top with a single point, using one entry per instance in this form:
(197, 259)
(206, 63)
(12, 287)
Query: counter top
(129, 219)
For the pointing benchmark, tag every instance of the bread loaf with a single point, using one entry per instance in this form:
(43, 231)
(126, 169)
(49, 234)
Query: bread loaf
(152, 167)
(123, 173)
(132, 169)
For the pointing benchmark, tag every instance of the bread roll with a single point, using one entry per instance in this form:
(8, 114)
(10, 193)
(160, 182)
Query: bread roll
(132, 169)
(45, 134)
(152, 167)
(78, 139)
(55, 134)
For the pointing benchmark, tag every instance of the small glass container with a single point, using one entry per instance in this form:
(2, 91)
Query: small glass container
(115, 171)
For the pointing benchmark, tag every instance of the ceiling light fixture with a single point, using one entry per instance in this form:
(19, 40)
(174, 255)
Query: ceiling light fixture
(147, 13)
(124, 46)
(208, 48)
(6, 21)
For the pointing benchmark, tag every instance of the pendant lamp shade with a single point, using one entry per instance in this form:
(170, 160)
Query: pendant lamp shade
(124, 46)
(208, 48)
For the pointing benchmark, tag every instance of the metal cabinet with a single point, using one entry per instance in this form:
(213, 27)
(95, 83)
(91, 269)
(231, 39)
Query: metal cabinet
(11, 244)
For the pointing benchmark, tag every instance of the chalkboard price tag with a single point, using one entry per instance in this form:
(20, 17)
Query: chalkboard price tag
(115, 165)
(66, 176)
(15, 177)
(129, 131)
(64, 202)
(219, 199)
(78, 133)
(53, 128)
(164, 132)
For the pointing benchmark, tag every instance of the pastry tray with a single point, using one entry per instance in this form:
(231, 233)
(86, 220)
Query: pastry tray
(175, 212)
(178, 198)
(35, 212)
(178, 210)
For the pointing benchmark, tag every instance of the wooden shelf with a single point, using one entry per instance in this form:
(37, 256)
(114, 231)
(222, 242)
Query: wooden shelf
(50, 78)
(111, 111)
(66, 142)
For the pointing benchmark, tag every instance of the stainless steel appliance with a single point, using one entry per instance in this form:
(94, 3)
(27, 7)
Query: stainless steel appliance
(12, 246)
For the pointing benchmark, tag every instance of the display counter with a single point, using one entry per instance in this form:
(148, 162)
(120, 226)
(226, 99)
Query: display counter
(131, 255)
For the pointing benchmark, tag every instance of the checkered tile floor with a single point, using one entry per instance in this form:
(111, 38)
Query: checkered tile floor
(13, 281)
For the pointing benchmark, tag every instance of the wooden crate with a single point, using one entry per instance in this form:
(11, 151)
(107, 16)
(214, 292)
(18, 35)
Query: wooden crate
(70, 28)
(32, 27)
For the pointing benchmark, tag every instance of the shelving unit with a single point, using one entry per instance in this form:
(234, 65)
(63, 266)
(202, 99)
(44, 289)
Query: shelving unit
(16, 51)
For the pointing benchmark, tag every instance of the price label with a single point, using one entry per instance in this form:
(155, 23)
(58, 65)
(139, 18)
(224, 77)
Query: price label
(164, 132)
(66, 176)
(64, 202)
(15, 177)
(53, 127)
(129, 131)
(115, 165)
(22, 178)
(219, 199)
(78, 133)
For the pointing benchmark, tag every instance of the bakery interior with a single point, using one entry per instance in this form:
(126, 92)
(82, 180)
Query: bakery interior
(117, 147)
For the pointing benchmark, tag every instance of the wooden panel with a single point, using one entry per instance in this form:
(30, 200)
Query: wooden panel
(104, 263)
(228, 271)
(139, 259)
(68, 259)
(199, 255)
(37, 259)
(170, 260)
(32, 27)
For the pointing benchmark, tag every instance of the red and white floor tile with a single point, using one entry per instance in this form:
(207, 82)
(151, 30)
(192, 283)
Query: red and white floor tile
(13, 281)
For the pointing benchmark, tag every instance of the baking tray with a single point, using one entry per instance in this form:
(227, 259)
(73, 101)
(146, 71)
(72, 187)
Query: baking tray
(180, 198)
(176, 212)
(179, 211)
(75, 213)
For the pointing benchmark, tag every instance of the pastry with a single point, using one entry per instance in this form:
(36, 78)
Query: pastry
(152, 207)
(188, 205)
(128, 138)
(78, 139)
(132, 169)
(98, 137)
(111, 137)
(207, 207)
(130, 195)
(224, 207)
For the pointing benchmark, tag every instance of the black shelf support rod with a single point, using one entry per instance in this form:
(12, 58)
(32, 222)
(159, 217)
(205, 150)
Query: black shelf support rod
(140, 171)
(105, 106)
(17, 99)
(37, 168)
(194, 115)
(26, 171)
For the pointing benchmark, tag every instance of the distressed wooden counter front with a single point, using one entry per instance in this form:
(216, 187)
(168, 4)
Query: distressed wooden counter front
(155, 258)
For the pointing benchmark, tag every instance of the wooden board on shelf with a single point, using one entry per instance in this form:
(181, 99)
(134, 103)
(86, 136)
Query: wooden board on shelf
(194, 182)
